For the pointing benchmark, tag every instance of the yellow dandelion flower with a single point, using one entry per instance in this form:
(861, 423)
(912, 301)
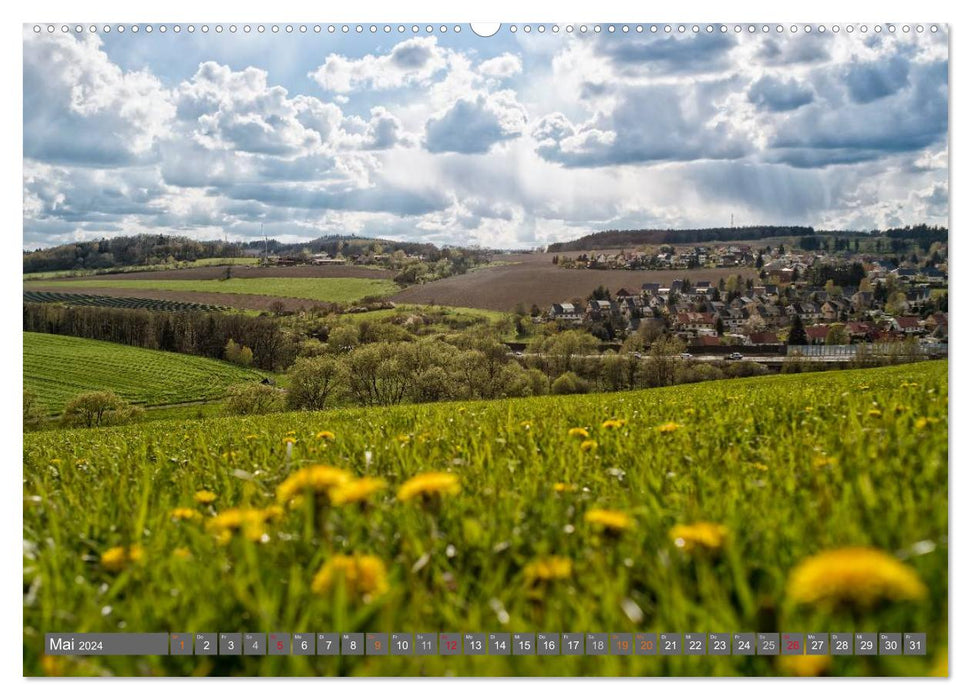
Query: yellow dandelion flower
(874, 413)
(822, 461)
(356, 491)
(578, 432)
(689, 411)
(318, 479)
(588, 445)
(702, 535)
(273, 512)
(428, 485)
(251, 436)
(920, 423)
(861, 575)
(548, 569)
(116, 559)
(185, 514)
(668, 427)
(182, 553)
(289, 440)
(805, 665)
(53, 666)
(205, 497)
(613, 520)
(760, 466)
(526, 425)
(404, 439)
(250, 522)
(560, 487)
(613, 423)
(363, 575)
(326, 435)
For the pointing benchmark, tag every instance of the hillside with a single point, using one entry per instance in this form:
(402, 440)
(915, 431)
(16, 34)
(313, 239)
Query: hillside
(58, 367)
(715, 495)
(604, 240)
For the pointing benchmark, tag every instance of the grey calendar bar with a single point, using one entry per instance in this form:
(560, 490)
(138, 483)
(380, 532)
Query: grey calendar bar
(106, 644)
(485, 644)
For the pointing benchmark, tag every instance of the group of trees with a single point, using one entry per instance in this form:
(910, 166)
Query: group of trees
(208, 334)
(91, 409)
(126, 250)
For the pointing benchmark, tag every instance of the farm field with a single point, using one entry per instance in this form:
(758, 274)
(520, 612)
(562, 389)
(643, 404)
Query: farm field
(333, 289)
(75, 299)
(59, 367)
(531, 278)
(191, 265)
(724, 506)
(218, 272)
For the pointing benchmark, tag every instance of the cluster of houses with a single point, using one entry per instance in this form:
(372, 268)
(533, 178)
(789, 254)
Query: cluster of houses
(761, 313)
(666, 258)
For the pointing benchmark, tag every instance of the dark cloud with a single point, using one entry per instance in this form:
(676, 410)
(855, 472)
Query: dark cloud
(778, 95)
(386, 199)
(473, 126)
(650, 123)
(804, 48)
(827, 133)
(669, 53)
(871, 81)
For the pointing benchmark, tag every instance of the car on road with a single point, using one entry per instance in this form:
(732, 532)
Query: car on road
(638, 355)
(735, 356)
(686, 356)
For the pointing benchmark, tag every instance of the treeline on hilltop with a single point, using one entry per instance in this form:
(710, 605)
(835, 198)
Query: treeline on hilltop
(921, 233)
(626, 239)
(160, 249)
(142, 249)
(206, 334)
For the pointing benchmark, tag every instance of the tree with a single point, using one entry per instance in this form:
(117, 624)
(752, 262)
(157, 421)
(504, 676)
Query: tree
(253, 398)
(95, 408)
(663, 361)
(231, 352)
(837, 335)
(797, 332)
(313, 380)
(569, 383)
(245, 357)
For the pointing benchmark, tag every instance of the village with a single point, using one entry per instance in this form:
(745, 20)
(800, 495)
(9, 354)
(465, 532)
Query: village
(839, 298)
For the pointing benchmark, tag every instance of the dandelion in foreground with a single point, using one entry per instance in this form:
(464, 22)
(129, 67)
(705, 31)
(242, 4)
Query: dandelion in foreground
(805, 665)
(204, 497)
(326, 435)
(363, 575)
(860, 575)
(250, 522)
(578, 432)
(548, 569)
(318, 479)
(710, 536)
(182, 553)
(610, 520)
(356, 491)
(185, 514)
(429, 485)
(116, 559)
(668, 427)
(588, 445)
(613, 423)
(874, 413)
(561, 487)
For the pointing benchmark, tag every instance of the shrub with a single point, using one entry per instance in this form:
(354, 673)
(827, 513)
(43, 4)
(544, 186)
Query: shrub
(253, 398)
(97, 408)
(313, 380)
(569, 383)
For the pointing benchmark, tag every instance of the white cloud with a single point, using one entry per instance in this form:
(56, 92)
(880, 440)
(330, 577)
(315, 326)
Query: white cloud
(411, 62)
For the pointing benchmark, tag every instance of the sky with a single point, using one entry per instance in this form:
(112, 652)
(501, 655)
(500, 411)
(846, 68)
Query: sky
(512, 141)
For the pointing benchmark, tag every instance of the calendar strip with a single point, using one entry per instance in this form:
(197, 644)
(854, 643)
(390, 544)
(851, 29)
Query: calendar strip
(487, 644)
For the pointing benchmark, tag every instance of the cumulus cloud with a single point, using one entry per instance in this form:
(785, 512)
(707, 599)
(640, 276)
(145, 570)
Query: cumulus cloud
(475, 125)
(411, 62)
(503, 66)
(778, 95)
(81, 108)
